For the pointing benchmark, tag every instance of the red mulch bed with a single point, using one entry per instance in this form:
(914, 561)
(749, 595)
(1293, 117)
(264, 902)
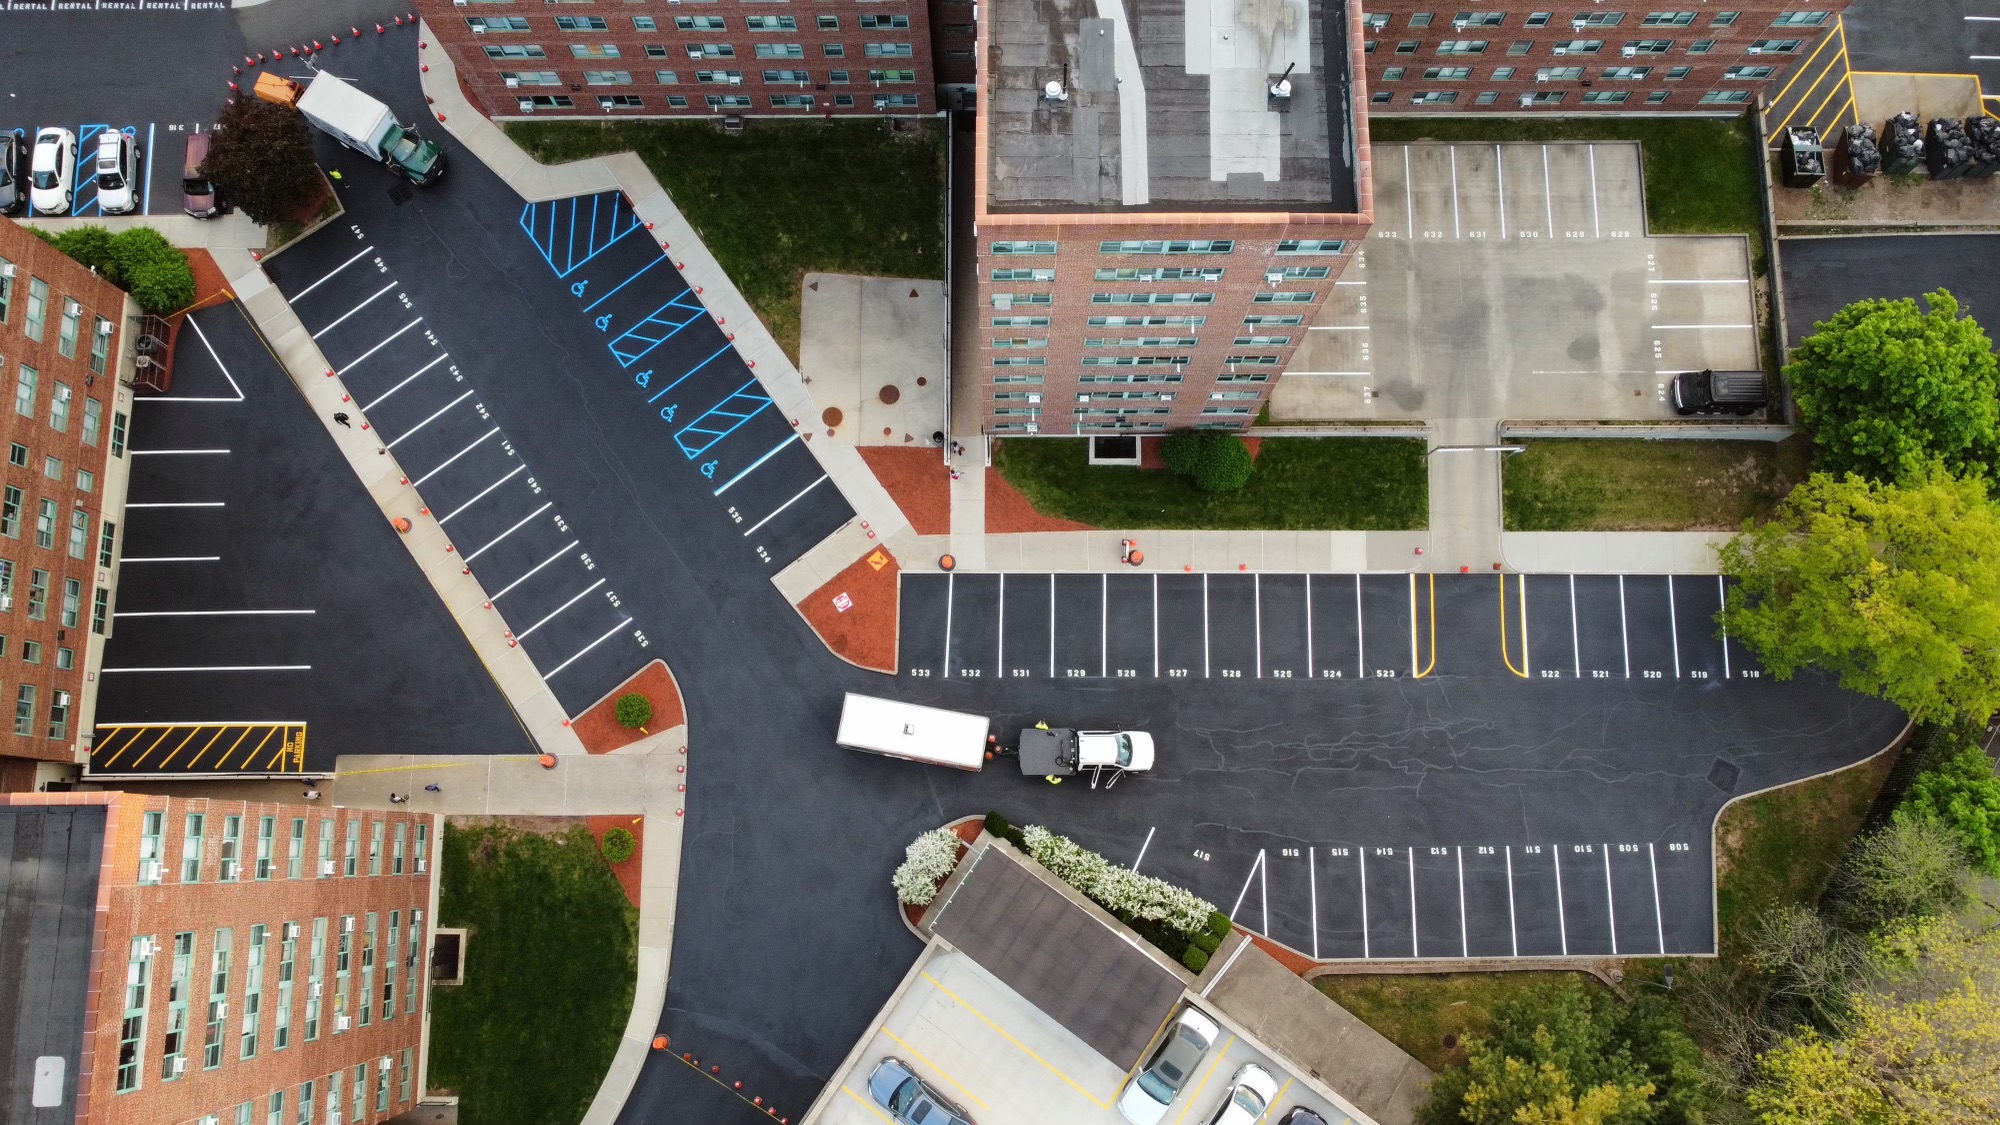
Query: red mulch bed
(1290, 960)
(968, 830)
(599, 727)
(1149, 451)
(1009, 511)
(208, 280)
(627, 872)
(917, 479)
(865, 634)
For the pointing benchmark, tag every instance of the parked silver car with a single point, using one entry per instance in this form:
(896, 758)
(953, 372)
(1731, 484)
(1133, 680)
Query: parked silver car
(909, 1099)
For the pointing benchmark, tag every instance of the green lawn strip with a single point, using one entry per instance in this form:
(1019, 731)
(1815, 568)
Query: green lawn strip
(783, 198)
(1416, 1011)
(550, 963)
(1300, 484)
(1624, 484)
(1779, 848)
(1701, 173)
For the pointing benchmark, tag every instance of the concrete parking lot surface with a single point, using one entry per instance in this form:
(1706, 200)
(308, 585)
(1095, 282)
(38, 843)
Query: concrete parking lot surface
(1518, 281)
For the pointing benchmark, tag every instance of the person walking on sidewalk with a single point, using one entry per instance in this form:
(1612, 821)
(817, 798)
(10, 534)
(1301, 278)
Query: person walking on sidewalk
(311, 793)
(399, 799)
(433, 788)
(343, 419)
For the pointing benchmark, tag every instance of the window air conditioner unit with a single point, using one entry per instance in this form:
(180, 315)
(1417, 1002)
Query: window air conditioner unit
(479, 29)
(694, 51)
(176, 1065)
(1458, 25)
(291, 930)
(1628, 51)
(325, 868)
(736, 80)
(222, 1011)
(384, 1064)
(347, 924)
(423, 865)
(1527, 99)
(1578, 23)
(513, 83)
(332, 1117)
(149, 871)
(7, 270)
(1034, 398)
(1083, 398)
(458, 3)
(104, 328)
(1560, 50)
(1033, 428)
(1756, 50)
(313, 990)
(231, 869)
(205, 1119)
(342, 1023)
(146, 947)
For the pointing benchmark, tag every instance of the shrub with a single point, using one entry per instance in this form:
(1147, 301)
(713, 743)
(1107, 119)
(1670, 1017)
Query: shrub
(633, 710)
(1182, 451)
(153, 270)
(1219, 925)
(1963, 796)
(1207, 942)
(1196, 958)
(929, 858)
(1227, 468)
(996, 825)
(1127, 894)
(1912, 868)
(618, 845)
(91, 246)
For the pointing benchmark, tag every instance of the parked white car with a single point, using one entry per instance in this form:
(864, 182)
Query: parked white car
(1250, 1094)
(117, 173)
(52, 172)
(1152, 1091)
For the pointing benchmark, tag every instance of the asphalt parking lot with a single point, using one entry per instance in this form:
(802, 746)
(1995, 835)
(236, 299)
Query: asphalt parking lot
(1473, 239)
(220, 659)
(1322, 627)
(1824, 275)
(1935, 37)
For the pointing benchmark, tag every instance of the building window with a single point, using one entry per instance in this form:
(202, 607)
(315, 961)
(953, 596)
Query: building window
(676, 101)
(288, 948)
(1648, 47)
(38, 595)
(1543, 97)
(1725, 19)
(1026, 321)
(1538, 19)
(531, 77)
(1667, 19)
(253, 991)
(31, 652)
(1447, 73)
(1748, 73)
(582, 23)
(396, 856)
(1434, 97)
(107, 533)
(1021, 342)
(1262, 341)
(1478, 19)
(45, 524)
(191, 848)
(295, 855)
(1774, 46)
(1392, 74)
(24, 391)
(799, 76)
(343, 958)
(403, 1077)
(666, 77)
(423, 851)
(100, 345)
(6, 288)
(1625, 73)
(771, 23)
(644, 23)
(711, 51)
(1606, 97)
(833, 50)
(151, 827)
(1656, 97)
(839, 78)
(1282, 297)
(1181, 246)
(720, 78)
(516, 51)
(701, 23)
(132, 1031)
(351, 861)
(93, 421)
(1801, 19)
(1420, 19)
(360, 1091)
(389, 958)
(315, 975)
(1161, 273)
(1676, 73)
(1579, 47)
(1502, 73)
(873, 23)
(267, 839)
(496, 23)
(1020, 361)
(1140, 342)
(375, 848)
(780, 51)
(72, 601)
(66, 328)
(1311, 246)
(551, 101)
(1023, 247)
(232, 842)
(24, 711)
(306, 1104)
(173, 1054)
(1701, 46)
(79, 532)
(1725, 97)
(887, 51)
(367, 1006)
(1520, 47)
(218, 1000)
(1462, 47)
(1374, 21)
(620, 101)
(1407, 47)
(325, 848)
(1024, 275)
(17, 455)
(38, 308)
(593, 50)
(829, 23)
(52, 468)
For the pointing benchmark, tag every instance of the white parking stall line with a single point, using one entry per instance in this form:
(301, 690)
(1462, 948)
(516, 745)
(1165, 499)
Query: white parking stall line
(1674, 626)
(1513, 928)
(1362, 854)
(296, 297)
(146, 205)
(1575, 646)
(523, 634)
(1360, 645)
(1660, 327)
(1562, 923)
(1143, 847)
(1659, 920)
(1409, 207)
(482, 494)
(537, 567)
(950, 591)
(1596, 229)
(1548, 193)
(1525, 663)
(1500, 179)
(1312, 669)
(1264, 889)
(383, 397)
(1248, 877)
(1610, 904)
(1624, 635)
(440, 413)
(355, 362)
(217, 668)
(795, 499)
(1721, 600)
(1338, 328)
(342, 318)
(496, 539)
(178, 452)
(1052, 626)
(1453, 151)
(1104, 626)
(587, 648)
(1257, 610)
(223, 367)
(173, 558)
(1312, 885)
(1204, 627)
(1000, 630)
(753, 465)
(1412, 853)
(447, 462)
(218, 613)
(1464, 947)
(179, 504)
(1701, 281)
(1156, 626)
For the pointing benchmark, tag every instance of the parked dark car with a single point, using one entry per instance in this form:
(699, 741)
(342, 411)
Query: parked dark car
(13, 172)
(199, 196)
(1720, 392)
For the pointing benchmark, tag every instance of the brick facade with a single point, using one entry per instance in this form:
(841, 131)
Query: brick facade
(133, 906)
(1515, 56)
(668, 58)
(67, 407)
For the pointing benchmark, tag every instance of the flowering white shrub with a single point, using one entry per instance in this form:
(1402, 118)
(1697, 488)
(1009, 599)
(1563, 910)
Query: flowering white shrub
(929, 858)
(1121, 891)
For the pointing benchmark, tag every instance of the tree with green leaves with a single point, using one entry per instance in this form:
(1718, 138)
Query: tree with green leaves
(1963, 796)
(262, 159)
(1909, 868)
(1894, 588)
(1884, 389)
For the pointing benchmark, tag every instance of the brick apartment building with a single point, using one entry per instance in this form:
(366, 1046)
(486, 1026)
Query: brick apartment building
(1700, 56)
(1155, 229)
(66, 365)
(691, 58)
(181, 960)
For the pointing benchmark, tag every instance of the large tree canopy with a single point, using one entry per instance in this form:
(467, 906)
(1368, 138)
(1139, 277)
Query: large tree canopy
(1885, 389)
(262, 159)
(1893, 588)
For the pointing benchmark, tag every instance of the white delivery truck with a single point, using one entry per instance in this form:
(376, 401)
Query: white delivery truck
(906, 730)
(360, 122)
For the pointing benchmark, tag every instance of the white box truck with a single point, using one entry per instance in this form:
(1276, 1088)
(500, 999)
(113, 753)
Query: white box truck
(365, 125)
(907, 730)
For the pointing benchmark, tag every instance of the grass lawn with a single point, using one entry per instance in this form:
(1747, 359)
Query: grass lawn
(1300, 484)
(551, 955)
(1779, 848)
(783, 198)
(1622, 484)
(1418, 1011)
(1701, 173)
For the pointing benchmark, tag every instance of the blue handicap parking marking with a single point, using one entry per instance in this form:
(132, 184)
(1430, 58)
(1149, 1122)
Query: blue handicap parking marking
(653, 329)
(571, 232)
(722, 419)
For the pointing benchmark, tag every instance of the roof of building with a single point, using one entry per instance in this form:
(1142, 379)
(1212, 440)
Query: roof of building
(49, 862)
(1164, 105)
(1092, 977)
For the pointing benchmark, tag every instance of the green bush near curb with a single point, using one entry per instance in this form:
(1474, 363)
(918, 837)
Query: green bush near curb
(618, 845)
(633, 710)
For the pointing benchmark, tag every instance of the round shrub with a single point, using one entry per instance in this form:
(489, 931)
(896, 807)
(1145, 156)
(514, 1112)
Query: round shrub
(1182, 451)
(1208, 941)
(996, 825)
(91, 246)
(929, 858)
(1220, 925)
(1196, 958)
(618, 845)
(1225, 465)
(633, 710)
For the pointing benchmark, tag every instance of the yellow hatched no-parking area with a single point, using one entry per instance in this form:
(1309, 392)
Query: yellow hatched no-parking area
(1818, 91)
(255, 748)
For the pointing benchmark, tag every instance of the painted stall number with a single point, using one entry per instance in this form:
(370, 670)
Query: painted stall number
(734, 515)
(532, 486)
(1329, 673)
(1628, 847)
(560, 525)
(1342, 852)
(1201, 855)
(1289, 853)
(1531, 849)
(613, 599)
(1482, 850)
(1281, 673)
(1677, 847)
(1177, 673)
(1385, 851)
(920, 673)
(1232, 673)
(1583, 849)
(1440, 851)
(969, 673)
(641, 638)
(1018, 673)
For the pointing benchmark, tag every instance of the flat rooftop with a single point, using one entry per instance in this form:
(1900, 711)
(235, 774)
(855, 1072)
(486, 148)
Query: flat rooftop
(1166, 106)
(49, 859)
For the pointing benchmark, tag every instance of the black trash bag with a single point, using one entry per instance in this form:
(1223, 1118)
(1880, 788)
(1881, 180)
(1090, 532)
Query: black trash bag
(1947, 150)
(1863, 155)
(1983, 133)
(1902, 143)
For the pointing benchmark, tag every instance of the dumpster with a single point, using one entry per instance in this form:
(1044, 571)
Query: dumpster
(1802, 162)
(1947, 150)
(1856, 157)
(1984, 134)
(1902, 144)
